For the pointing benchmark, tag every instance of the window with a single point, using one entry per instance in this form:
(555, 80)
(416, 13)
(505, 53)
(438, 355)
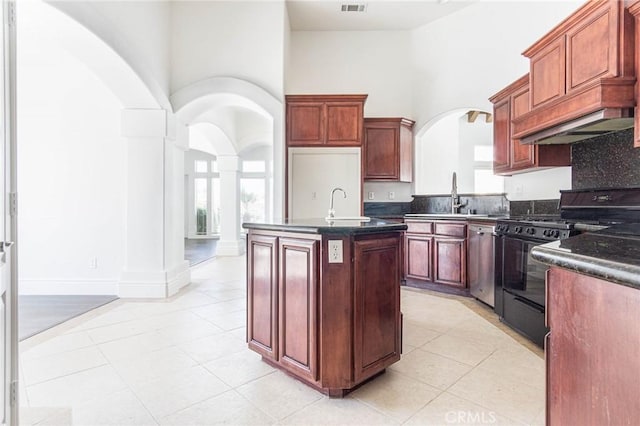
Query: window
(215, 205)
(201, 166)
(252, 199)
(201, 204)
(485, 182)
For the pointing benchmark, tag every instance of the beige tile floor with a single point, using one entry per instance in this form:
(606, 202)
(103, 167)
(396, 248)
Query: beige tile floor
(183, 361)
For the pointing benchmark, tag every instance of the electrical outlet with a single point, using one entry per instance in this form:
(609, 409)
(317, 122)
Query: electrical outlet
(372, 195)
(335, 251)
(314, 195)
(392, 195)
(93, 263)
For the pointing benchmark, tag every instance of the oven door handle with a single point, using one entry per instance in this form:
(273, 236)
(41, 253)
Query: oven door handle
(528, 304)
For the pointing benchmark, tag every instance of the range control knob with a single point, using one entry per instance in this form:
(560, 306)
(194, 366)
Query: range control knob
(556, 233)
(531, 231)
(546, 232)
(518, 229)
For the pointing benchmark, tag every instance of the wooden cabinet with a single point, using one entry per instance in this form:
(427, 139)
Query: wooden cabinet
(377, 266)
(591, 351)
(418, 255)
(262, 295)
(388, 149)
(333, 325)
(325, 120)
(634, 9)
(282, 281)
(510, 156)
(298, 301)
(583, 65)
(435, 251)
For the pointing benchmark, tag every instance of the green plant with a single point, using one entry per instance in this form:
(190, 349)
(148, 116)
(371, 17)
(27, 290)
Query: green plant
(201, 220)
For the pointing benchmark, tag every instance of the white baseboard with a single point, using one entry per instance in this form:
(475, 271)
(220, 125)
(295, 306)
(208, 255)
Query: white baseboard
(154, 284)
(67, 287)
(230, 247)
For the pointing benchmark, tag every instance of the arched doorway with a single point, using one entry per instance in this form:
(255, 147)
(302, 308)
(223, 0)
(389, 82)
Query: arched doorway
(460, 141)
(235, 123)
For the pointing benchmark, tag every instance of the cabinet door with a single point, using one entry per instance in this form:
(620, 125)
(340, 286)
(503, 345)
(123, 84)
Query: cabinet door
(305, 123)
(522, 156)
(501, 136)
(418, 257)
(298, 307)
(262, 295)
(592, 351)
(449, 261)
(591, 48)
(344, 123)
(377, 305)
(381, 153)
(548, 73)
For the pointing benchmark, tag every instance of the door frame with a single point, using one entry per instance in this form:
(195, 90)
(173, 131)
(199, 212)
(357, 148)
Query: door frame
(10, 220)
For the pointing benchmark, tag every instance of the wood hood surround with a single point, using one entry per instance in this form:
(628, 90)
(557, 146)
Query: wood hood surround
(584, 65)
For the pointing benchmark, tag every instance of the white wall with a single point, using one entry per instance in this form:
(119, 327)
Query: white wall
(439, 157)
(228, 38)
(71, 174)
(463, 59)
(376, 63)
(139, 31)
(541, 185)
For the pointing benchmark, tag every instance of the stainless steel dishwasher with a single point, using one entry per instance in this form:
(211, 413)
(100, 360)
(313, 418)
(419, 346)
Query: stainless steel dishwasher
(480, 262)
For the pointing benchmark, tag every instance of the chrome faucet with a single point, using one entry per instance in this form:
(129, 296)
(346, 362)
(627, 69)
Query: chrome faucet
(455, 200)
(332, 212)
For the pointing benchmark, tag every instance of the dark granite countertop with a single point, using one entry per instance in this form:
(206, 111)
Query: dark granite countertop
(323, 226)
(611, 254)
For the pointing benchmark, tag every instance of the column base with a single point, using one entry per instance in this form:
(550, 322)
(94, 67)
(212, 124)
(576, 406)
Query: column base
(230, 247)
(154, 284)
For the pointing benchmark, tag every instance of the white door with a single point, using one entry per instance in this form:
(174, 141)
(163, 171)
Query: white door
(314, 172)
(8, 269)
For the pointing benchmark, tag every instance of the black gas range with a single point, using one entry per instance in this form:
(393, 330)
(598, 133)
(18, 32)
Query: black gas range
(520, 280)
(544, 228)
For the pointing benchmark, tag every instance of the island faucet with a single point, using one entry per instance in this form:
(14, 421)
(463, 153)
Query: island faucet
(332, 212)
(455, 200)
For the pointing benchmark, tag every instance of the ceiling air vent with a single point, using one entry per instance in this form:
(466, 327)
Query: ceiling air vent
(354, 7)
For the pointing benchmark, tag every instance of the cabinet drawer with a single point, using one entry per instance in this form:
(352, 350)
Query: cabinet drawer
(451, 229)
(420, 227)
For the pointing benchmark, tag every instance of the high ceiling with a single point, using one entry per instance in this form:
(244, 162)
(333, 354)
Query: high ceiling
(379, 15)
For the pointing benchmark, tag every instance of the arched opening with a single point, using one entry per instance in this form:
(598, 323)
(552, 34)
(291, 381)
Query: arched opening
(72, 159)
(458, 141)
(232, 150)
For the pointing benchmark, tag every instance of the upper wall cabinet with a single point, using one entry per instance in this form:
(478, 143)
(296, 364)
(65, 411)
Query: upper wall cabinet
(325, 120)
(388, 149)
(509, 155)
(584, 65)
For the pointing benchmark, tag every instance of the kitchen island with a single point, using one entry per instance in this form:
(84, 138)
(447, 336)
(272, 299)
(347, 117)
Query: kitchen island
(593, 301)
(323, 299)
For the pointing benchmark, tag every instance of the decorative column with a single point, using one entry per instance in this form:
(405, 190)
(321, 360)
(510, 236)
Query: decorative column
(176, 144)
(151, 268)
(230, 243)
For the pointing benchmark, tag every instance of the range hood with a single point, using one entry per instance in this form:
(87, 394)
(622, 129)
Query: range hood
(606, 120)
